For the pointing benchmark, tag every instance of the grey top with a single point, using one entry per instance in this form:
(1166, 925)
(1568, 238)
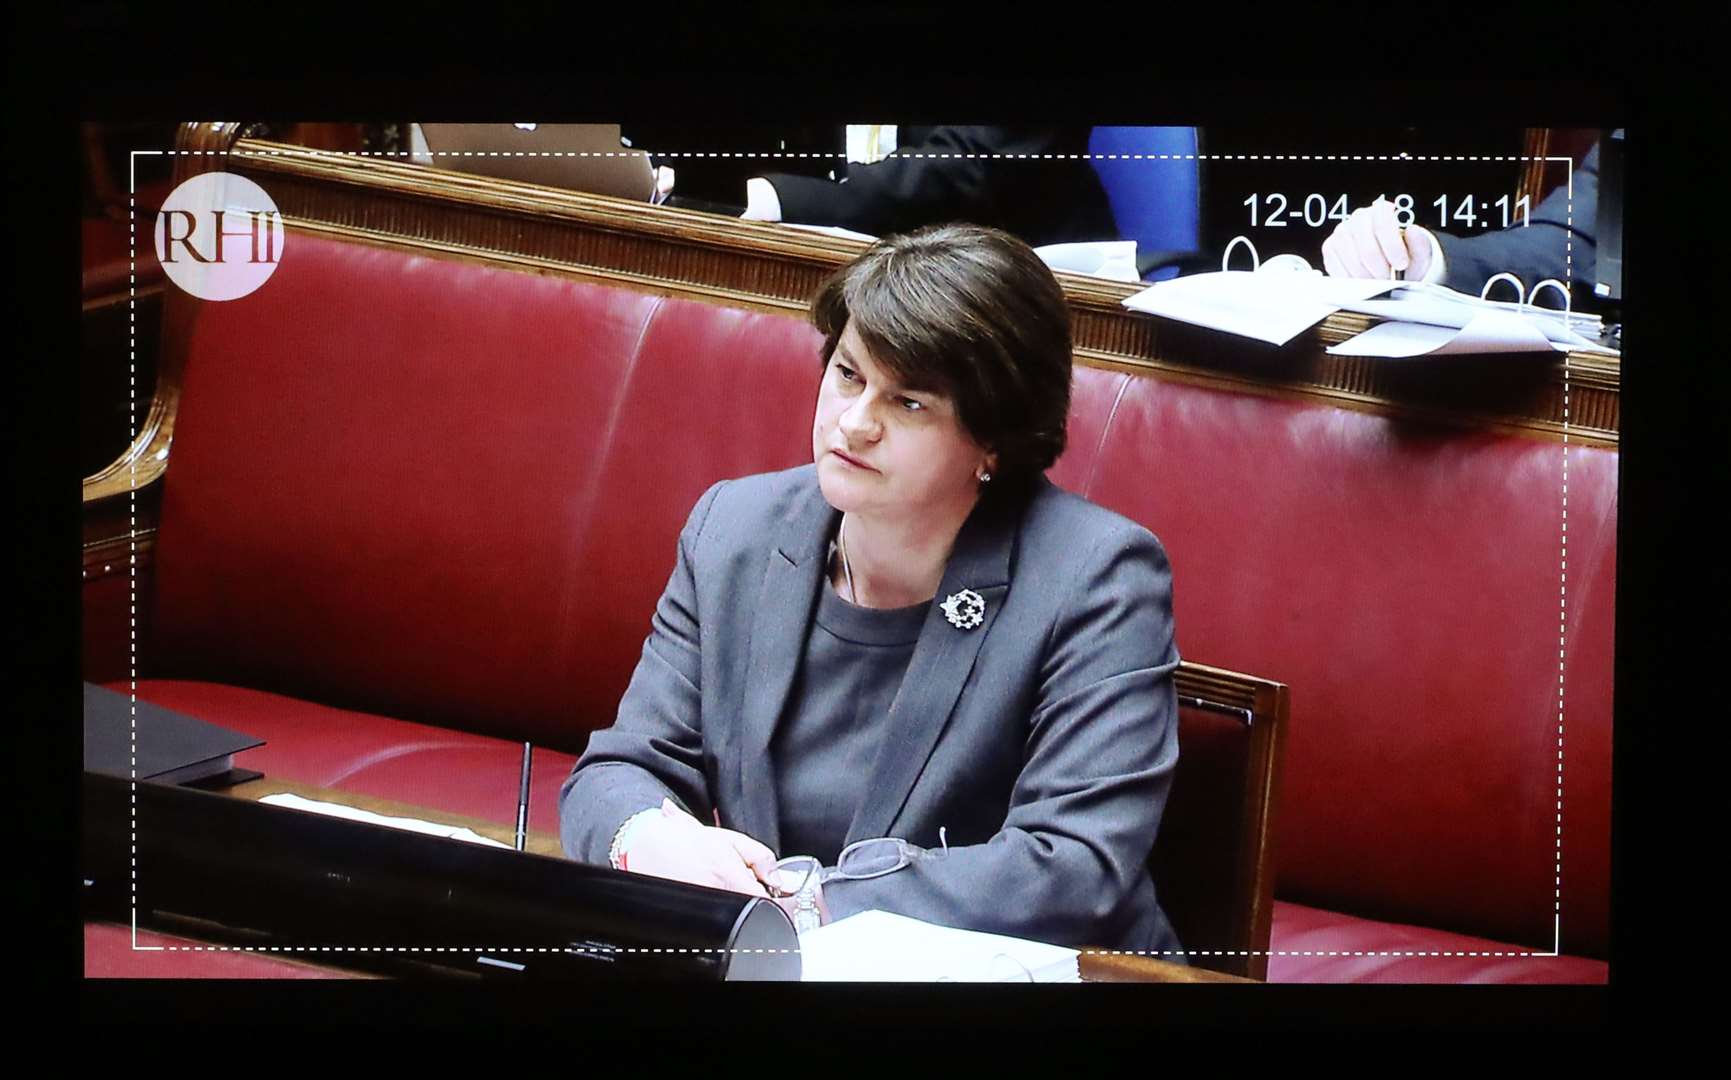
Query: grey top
(849, 672)
(1042, 738)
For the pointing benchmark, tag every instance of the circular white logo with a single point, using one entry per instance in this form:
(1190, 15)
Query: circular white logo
(219, 236)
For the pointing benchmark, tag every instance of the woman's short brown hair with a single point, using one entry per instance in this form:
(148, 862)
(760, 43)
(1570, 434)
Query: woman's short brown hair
(971, 313)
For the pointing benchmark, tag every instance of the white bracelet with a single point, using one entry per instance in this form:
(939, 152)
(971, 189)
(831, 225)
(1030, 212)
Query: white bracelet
(622, 837)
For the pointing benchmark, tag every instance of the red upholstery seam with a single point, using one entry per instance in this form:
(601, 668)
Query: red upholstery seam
(1087, 491)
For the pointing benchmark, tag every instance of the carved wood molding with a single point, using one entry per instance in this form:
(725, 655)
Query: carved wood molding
(113, 556)
(1535, 147)
(202, 147)
(118, 531)
(1224, 687)
(144, 293)
(375, 199)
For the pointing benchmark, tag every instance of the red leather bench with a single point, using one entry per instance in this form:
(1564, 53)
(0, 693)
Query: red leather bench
(109, 954)
(419, 509)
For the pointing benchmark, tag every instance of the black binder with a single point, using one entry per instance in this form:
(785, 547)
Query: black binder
(171, 748)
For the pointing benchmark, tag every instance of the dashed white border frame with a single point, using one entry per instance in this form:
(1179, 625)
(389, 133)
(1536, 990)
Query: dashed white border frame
(132, 414)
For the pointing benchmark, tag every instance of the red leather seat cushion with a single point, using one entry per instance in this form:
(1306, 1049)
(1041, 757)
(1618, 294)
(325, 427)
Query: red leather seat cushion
(438, 769)
(108, 954)
(1450, 958)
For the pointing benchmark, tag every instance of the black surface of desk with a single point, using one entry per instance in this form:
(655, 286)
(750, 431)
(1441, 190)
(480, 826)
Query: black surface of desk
(371, 894)
(683, 202)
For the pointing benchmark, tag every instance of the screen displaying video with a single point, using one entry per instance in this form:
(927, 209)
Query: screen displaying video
(876, 552)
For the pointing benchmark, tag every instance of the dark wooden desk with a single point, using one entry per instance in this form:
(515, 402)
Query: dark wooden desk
(1102, 966)
(1096, 965)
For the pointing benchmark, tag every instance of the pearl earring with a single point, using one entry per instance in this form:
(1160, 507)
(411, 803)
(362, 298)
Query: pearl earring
(985, 477)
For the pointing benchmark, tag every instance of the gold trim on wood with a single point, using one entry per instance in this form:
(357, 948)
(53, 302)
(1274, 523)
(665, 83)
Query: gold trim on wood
(203, 147)
(639, 281)
(119, 534)
(1536, 147)
(119, 299)
(1221, 686)
(113, 556)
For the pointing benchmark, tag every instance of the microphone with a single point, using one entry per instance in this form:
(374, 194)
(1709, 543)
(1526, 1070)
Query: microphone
(523, 800)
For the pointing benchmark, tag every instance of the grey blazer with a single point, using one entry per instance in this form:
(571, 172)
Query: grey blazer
(1043, 740)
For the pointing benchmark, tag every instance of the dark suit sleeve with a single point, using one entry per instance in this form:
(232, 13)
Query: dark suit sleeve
(931, 180)
(904, 190)
(1559, 242)
(654, 749)
(1085, 808)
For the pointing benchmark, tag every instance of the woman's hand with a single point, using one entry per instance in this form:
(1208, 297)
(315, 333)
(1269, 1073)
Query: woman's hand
(675, 845)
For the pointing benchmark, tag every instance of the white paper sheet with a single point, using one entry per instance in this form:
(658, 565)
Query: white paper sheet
(431, 828)
(877, 946)
(1436, 305)
(1114, 260)
(1491, 332)
(1273, 307)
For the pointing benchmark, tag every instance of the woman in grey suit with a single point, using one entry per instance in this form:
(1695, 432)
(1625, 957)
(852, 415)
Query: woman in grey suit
(917, 636)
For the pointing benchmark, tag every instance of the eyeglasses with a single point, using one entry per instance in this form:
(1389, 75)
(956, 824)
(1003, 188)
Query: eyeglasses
(803, 876)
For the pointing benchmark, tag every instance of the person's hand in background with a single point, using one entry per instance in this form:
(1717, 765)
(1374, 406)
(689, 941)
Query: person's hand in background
(1371, 244)
(670, 843)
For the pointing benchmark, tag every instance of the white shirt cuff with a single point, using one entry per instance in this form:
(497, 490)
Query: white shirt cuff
(761, 201)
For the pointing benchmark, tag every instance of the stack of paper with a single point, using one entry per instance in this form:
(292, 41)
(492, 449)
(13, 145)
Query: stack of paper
(431, 828)
(1114, 260)
(877, 946)
(1269, 306)
(1276, 305)
(1431, 320)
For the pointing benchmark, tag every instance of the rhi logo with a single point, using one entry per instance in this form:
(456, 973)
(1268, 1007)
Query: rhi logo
(219, 236)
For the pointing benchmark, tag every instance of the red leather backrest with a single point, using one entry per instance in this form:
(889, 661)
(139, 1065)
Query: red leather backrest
(451, 493)
(1407, 583)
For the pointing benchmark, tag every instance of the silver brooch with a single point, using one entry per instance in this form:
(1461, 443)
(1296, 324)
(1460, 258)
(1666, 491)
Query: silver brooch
(965, 610)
